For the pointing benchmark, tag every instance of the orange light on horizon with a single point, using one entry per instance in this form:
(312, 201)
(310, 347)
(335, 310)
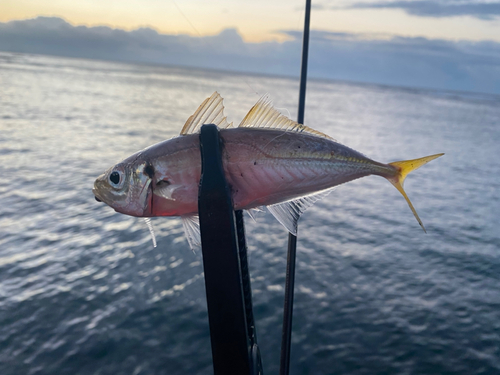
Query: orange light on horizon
(255, 21)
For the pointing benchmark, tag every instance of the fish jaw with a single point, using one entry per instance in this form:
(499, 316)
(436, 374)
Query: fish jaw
(131, 196)
(96, 190)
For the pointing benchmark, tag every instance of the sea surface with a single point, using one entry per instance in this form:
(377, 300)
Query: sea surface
(83, 290)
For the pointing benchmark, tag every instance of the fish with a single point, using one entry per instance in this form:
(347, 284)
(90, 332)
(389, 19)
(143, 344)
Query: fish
(269, 161)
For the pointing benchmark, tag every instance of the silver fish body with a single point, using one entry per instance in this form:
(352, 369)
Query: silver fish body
(262, 167)
(268, 160)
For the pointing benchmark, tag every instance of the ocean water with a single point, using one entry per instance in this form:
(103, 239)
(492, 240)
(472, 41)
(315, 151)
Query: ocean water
(83, 291)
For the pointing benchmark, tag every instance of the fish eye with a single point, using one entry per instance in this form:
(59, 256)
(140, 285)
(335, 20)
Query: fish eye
(115, 178)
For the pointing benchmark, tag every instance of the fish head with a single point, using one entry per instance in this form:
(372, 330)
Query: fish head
(125, 187)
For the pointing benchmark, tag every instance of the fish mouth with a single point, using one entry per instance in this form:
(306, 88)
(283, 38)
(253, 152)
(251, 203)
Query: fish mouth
(96, 194)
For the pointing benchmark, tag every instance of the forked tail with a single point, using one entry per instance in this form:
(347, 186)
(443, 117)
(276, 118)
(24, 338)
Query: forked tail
(405, 167)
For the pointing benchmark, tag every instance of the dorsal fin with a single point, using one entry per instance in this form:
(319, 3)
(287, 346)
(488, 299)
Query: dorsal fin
(264, 115)
(211, 111)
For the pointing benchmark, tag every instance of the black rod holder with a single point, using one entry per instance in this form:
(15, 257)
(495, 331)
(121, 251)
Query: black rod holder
(227, 282)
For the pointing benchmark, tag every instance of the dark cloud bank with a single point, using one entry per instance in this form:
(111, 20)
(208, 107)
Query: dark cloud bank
(438, 8)
(413, 62)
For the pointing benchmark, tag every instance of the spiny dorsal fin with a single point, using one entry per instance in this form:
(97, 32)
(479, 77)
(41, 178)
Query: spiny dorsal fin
(264, 115)
(211, 111)
(288, 213)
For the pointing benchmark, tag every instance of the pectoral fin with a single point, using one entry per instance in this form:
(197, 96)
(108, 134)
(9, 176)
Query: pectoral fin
(165, 189)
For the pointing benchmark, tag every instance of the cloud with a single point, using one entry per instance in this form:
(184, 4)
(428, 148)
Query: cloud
(380, 59)
(403, 61)
(438, 8)
(54, 36)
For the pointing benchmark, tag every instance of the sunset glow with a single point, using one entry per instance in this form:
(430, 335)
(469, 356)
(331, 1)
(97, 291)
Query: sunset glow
(257, 21)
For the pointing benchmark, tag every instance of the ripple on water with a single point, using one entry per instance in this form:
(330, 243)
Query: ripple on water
(82, 290)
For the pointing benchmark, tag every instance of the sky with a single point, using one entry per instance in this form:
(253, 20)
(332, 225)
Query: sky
(260, 20)
(443, 44)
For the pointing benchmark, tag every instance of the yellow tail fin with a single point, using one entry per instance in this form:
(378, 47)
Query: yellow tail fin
(405, 167)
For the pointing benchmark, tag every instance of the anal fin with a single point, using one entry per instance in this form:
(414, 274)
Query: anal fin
(251, 212)
(191, 224)
(289, 212)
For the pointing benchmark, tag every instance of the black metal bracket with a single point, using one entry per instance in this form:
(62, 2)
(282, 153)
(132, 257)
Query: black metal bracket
(227, 280)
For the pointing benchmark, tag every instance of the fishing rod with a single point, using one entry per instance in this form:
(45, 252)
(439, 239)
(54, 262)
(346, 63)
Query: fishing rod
(286, 335)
